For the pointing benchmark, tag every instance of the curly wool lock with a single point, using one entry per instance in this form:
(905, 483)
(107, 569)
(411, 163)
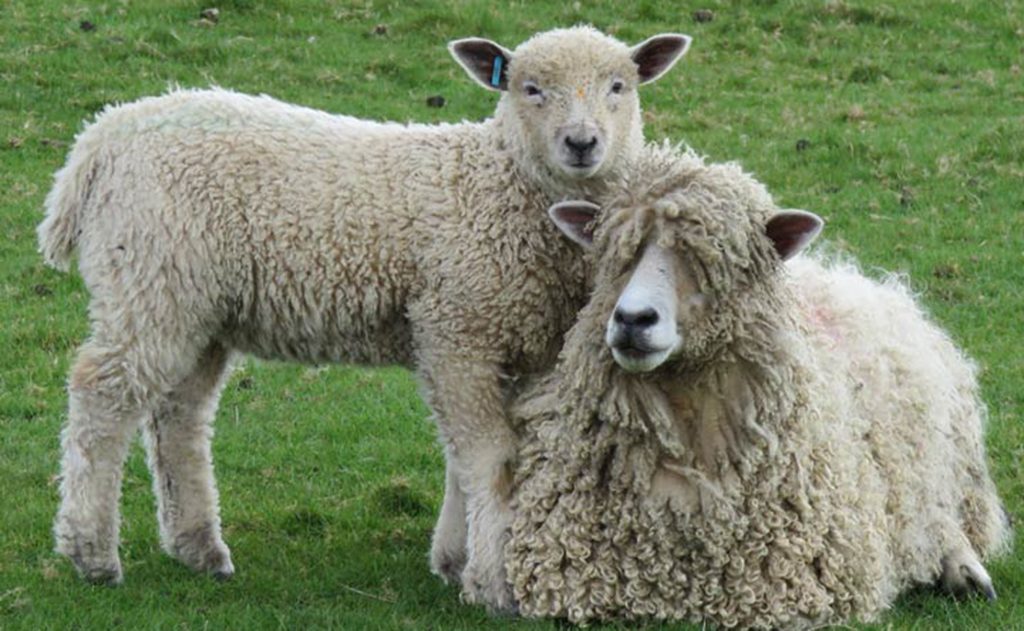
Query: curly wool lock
(813, 449)
(209, 222)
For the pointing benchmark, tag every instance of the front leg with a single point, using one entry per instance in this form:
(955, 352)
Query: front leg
(488, 476)
(468, 402)
(448, 547)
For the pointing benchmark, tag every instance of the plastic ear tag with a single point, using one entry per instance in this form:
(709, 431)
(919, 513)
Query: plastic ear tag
(496, 74)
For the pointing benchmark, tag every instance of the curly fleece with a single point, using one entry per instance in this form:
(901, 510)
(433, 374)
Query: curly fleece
(208, 222)
(814, 449)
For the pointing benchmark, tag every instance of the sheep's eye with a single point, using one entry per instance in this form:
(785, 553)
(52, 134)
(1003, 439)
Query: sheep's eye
(532, 90)
(618, 86)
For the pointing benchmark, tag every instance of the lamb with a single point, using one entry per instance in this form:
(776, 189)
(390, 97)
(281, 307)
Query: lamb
(734, 440)
(209, 222)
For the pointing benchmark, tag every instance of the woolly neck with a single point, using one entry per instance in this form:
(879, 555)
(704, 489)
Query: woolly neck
(730, 408)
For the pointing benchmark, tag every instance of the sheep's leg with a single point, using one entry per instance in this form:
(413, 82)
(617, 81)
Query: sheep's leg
(964, 575)
(448, 549)
(104, 407)
(489, 517)
(468, 401)
(177, 437)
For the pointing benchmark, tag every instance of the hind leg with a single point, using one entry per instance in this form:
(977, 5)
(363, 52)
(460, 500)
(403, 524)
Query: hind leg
(177, 438)
(105, 402)
(963, 574)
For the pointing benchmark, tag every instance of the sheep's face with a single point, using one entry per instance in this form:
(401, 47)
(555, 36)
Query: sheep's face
(659, 303)
(571, 97)
(663, 310)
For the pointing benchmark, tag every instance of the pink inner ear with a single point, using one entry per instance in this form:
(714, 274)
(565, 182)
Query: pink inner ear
(785, 242)
(791, 231)
(576, 220)
(657, 56)
(581, 218)
(479, 57)
(573, 215)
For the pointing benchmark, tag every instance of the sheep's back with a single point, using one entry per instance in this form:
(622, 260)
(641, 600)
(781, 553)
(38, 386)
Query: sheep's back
(289, 228)
(912, 397)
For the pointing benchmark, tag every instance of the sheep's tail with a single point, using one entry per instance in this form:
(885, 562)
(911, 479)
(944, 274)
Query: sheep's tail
(58, 233)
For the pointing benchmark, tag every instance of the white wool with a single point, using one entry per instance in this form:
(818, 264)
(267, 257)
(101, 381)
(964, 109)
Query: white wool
(813, 449)
(208, 222)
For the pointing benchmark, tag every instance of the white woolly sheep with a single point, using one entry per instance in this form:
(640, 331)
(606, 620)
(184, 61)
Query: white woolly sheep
(734, 440)
(209, 222)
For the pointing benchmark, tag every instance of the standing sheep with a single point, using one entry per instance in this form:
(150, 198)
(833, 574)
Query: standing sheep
(729, 439)
(209, 222)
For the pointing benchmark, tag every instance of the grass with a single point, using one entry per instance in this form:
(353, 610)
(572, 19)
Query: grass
(901, 123)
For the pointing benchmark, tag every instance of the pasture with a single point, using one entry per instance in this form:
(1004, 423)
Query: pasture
(902, 124)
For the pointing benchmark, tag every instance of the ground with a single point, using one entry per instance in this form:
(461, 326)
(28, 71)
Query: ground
(900, 123)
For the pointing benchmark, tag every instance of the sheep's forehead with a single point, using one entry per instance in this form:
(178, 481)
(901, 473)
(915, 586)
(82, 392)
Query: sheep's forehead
(677, 221)
(571, 56)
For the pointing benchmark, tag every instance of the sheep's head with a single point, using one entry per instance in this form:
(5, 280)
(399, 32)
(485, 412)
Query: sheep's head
(677, 280)
(569, 95)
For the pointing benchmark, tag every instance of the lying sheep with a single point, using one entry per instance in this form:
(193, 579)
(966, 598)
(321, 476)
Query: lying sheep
(209, 222)
(741, 442)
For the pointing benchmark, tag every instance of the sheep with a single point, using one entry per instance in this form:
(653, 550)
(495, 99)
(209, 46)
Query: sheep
(732, 439)
(209, 222)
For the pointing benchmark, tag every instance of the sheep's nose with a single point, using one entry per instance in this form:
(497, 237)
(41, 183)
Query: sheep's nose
(581, 146)
(636, 320)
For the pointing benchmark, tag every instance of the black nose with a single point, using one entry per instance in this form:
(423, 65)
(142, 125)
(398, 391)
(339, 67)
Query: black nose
(581, 147)
(636, 320)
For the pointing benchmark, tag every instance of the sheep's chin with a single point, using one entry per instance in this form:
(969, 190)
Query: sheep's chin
(632, 362)
(580, 172)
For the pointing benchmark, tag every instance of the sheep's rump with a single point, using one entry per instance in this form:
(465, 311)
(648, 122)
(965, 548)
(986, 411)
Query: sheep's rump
(878, 474)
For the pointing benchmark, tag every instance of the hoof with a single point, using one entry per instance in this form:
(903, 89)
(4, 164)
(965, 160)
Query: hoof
(109, 576)
(985, 589)
(448, 565)
(204, 551)
(964, 576)
(96, 568)
(220, 567)
(492, 592)
(223, 575)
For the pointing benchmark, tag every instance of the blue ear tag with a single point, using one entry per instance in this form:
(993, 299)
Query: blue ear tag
(496, 75)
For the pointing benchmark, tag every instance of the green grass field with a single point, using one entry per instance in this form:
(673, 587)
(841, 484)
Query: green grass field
(902, 123)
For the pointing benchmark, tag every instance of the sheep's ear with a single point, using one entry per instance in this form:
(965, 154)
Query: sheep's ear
(655, 56)
(793, 230)
(486, 62)
(576, 220)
